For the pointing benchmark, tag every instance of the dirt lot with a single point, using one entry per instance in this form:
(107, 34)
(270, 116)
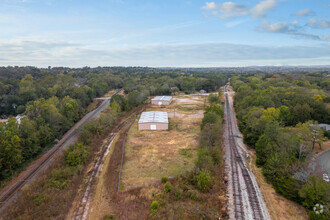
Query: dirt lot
(151, 155)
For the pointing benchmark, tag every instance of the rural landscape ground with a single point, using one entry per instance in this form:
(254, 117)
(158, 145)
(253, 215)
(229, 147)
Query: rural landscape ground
(219, 158)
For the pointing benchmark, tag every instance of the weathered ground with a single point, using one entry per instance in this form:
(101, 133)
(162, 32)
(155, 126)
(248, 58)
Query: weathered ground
(151, 155)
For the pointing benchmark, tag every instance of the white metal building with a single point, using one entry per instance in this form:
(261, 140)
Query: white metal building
(161, 100)
(153, 121)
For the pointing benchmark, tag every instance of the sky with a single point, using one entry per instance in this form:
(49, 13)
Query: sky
(164, 33)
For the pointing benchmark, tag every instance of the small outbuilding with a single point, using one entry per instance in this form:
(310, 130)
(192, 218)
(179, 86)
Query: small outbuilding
(161, 100)
(153, 121)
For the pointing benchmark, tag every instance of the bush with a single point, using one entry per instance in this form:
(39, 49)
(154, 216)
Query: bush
(210, 118)
(109, 217)
(164, 179)
(167, 187)
(203, 181)
(217, 109)
(322, 216)
(60, 178)
(214, 99)
(40, 198)
(204, 159)
(192, 194)
(315, 191)
(76, 155)
(154, 206)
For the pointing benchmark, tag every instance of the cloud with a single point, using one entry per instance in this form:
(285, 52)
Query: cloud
(230, 9)
(262, 8)
(304, 12)
(314, 23)
(226, 9)
(79, 54)
(285, 28)
(326, 37)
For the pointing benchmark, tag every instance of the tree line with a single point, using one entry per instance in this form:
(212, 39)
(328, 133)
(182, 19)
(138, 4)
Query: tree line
(54, 99)
(278, 116)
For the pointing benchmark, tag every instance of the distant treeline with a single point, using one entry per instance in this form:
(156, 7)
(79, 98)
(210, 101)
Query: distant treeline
(54, 99)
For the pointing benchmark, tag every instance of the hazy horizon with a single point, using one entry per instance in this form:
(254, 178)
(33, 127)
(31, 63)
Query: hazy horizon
(164, 34)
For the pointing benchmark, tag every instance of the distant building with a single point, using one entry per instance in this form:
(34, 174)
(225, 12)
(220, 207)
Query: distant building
(153, 121)
(326, 127)
(161, 100)
(202, 91)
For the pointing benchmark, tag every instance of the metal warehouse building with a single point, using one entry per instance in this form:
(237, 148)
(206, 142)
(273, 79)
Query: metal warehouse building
(161, 100)
(153, 121)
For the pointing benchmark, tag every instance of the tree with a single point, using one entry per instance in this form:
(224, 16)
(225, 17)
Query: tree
(10, 152)
(214, 99)
(302, 113)
(315, 191)
(29, 138)
(214, 108)
(210, 118)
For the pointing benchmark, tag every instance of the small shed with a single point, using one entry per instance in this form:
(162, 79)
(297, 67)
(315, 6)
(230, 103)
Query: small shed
(161, 100)
(153, 121)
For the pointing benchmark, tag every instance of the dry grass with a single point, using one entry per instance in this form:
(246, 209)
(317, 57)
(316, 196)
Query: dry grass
(110, 93)
(325, 147)
(100, 206)
(151, 155)
(279, 208)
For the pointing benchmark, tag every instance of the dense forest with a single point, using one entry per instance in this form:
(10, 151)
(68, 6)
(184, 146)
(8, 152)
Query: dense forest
(53, 99)
(278, 116)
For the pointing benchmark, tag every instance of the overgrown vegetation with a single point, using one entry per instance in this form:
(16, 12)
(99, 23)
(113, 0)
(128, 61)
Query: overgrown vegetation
(52, 194)
(203, 186)
(54, 99)
(278, 115)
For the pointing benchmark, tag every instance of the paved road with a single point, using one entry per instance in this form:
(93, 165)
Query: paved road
(245, 199)
(34, 169)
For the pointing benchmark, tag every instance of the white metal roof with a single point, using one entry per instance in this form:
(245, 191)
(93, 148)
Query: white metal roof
(154, 116)
(162, 98)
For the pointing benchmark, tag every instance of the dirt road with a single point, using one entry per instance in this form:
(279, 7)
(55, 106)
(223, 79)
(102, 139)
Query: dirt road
(11, 190)
(245, 198)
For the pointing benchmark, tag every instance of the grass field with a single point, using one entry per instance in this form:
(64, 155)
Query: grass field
(150, 155)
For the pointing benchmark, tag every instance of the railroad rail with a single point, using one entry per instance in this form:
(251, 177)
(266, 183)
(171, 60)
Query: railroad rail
(82, 209)
(241, 177)
(9, 191)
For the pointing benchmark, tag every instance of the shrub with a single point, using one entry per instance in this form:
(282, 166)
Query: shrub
(210, 118)
(154, 206)
(40, 198)
(192, 194)
(315, 191)
(60, 177)
(217, 109)
(203, 181)
(177, 193)
(167, 187)
(76, 155)
(164, 179)
(204, 159)
(109, 217)
(214, 99)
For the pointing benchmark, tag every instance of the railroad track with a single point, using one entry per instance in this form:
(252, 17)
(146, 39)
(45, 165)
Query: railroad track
(82, 210)
(83, 207)
(9, 192)
(239, 172)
